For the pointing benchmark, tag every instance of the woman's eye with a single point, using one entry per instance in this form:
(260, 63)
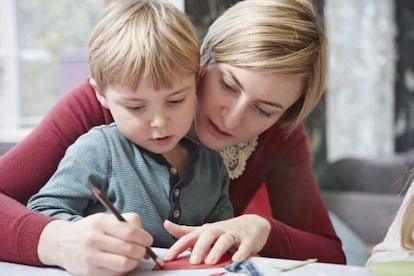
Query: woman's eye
(226, 86)
(264, 112)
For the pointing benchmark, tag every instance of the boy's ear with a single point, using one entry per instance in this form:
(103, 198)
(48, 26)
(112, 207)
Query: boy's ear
(100, 96)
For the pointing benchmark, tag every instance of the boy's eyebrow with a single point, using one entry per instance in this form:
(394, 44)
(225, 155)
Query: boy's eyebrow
(179, 91)
(277, 105)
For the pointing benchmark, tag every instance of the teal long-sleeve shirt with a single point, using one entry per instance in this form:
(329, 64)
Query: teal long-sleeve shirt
(136, 180)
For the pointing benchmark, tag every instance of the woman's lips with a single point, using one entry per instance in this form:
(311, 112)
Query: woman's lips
(215, 131)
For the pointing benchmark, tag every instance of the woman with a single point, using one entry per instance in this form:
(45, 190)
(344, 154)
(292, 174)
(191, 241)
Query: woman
(263, 71)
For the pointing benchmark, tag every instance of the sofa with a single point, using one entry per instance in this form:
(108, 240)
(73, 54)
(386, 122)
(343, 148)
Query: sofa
(363, 196)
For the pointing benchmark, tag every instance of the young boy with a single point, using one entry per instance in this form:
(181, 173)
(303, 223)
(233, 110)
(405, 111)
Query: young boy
(144, 57)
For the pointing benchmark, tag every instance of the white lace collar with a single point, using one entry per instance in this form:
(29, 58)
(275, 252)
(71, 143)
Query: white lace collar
(235, 157)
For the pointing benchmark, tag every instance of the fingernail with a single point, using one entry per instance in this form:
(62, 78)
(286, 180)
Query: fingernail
(194, 259)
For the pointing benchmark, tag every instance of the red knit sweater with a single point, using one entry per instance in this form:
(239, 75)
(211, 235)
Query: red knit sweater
(300, 225)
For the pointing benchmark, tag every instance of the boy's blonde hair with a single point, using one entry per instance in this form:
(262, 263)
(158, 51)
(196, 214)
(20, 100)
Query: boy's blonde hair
(136, 38)
(281, 36)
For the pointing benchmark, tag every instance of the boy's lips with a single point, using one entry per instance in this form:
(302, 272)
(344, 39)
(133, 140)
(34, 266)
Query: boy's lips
(162, 140)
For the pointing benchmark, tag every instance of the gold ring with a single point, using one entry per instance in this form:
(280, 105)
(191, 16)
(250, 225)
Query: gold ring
(235, 237)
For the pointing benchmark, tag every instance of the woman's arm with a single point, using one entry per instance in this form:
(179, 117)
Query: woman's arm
(300, 227)
(26, 167)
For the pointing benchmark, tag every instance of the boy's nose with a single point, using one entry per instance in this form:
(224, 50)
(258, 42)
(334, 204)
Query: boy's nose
(159, 120)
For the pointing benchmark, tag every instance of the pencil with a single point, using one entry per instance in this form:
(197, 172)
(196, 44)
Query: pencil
(108, 205)
(296, 265)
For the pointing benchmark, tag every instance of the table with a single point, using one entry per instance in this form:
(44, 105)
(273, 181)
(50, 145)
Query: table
(265, 265)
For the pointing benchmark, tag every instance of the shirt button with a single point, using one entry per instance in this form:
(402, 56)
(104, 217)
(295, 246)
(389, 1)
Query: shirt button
(177, 192)
(173, 170)
(176, 213)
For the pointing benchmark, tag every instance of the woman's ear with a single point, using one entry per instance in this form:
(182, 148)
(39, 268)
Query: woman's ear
(100, 95)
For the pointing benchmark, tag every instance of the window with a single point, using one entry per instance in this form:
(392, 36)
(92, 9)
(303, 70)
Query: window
(42, 54)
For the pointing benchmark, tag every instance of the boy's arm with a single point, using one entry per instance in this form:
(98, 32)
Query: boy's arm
(67, 194)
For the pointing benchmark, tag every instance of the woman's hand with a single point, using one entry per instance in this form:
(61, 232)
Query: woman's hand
(247, 234)
(96, 245)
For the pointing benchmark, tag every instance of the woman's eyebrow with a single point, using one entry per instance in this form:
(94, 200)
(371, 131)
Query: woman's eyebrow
(277, 105)
(235, 79)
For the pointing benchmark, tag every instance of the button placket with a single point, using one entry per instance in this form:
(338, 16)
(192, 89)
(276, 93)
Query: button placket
(175, 193)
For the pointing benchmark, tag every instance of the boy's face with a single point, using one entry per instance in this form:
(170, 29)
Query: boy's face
(153, 119)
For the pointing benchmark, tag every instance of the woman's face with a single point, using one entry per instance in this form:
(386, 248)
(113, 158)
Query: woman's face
(238, 104)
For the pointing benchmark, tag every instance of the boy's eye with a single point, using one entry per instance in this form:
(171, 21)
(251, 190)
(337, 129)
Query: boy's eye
(135, 107)
(176, 101)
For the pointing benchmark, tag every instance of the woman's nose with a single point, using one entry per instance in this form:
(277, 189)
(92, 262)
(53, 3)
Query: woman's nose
(232, 115)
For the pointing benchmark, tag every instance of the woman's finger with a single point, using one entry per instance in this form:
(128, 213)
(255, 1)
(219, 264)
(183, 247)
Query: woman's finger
(223, 243)
(203, 245)
(242, 253)
(181, 245)
(177, 230)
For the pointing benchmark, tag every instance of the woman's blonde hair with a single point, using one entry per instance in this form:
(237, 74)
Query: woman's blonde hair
(280, 36)
(136, 38)
(407, 226)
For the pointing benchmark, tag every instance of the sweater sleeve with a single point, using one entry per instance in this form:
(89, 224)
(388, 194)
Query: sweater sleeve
(300, 224)
(26, 167)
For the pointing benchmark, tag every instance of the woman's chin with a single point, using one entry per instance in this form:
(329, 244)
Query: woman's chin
(214, 143)
(210, 142)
